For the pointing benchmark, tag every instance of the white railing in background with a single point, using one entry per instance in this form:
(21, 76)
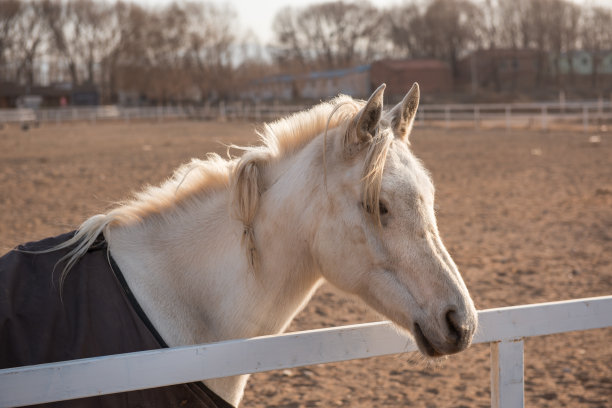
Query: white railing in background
(505, 328)
(524, 115)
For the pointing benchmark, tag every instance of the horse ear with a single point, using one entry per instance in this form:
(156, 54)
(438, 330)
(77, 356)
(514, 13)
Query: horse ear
(365, 123)
(402, 115)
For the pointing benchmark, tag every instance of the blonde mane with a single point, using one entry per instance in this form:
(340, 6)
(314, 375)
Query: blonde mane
(199, 178)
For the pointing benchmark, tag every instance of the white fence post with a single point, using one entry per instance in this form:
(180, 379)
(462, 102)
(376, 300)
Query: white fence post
(544, 118)
(508, 117)
(222, 111)
(447, 116)
(585, 118)
(507, 388)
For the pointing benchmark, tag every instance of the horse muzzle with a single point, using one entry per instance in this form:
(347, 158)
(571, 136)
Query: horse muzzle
(452, 335)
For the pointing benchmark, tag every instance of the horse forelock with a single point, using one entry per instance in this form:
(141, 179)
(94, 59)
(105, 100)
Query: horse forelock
(373, 168)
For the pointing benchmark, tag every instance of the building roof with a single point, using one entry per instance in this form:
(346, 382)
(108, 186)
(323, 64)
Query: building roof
(505, 52)
(338, 72)
(13, 89)
(407, 64)
(333, 73)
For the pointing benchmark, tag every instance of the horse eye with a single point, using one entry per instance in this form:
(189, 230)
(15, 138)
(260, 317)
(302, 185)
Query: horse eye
(382, 208)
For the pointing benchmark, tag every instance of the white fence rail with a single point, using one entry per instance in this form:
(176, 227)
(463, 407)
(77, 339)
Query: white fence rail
(535, 115)
(543, 116)
(504, 328)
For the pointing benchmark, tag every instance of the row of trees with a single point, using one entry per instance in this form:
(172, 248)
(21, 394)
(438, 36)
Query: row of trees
(183, 50)
(335, 34)
(193, 48)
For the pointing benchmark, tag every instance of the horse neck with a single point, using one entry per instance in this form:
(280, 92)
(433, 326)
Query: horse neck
(190, 273)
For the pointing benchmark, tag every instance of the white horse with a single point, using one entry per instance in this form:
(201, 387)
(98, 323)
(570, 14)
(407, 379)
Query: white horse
(231, 249)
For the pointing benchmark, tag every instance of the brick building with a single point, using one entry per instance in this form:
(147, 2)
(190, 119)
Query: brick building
(315, 85)
(12, 95)
(433, 76)
(503, 69)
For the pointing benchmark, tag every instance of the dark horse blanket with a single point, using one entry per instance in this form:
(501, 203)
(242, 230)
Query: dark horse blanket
(97, 316)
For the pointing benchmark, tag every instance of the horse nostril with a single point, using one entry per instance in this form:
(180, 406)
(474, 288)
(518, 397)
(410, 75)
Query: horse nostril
(455, 329)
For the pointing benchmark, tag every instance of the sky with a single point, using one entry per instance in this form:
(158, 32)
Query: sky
(258, 14)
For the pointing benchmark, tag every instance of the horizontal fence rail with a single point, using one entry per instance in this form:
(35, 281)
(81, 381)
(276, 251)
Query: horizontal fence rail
(503, 327)
(544, 116)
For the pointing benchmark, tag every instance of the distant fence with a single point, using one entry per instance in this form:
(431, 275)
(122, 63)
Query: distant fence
(544, 116)
(505, 328)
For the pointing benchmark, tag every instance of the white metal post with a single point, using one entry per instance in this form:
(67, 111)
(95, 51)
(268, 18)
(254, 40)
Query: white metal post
(507, 389)
(507, 117)
(544, 118)
(585, 118)
(222, 110)
(447, 116)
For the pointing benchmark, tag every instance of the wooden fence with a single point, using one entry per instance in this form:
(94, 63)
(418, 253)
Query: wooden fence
(505, 328)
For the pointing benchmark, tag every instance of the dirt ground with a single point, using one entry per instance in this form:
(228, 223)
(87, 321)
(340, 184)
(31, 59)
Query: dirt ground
(526, 215)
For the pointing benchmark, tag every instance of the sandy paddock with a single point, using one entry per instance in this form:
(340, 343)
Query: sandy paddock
(526, 215)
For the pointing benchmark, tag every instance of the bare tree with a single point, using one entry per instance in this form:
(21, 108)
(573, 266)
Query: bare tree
(289, 44)
(562, 31)
(191, 49)
(510, 30)
(453, 28)
(571, 35)
(165, 45)
(9, 12)
(182, 51)
(212, 44)
(65, 27)
(442, 29)
(407, 30)
(328, 35)
(28, 35)
(99, 35)
(596, 36)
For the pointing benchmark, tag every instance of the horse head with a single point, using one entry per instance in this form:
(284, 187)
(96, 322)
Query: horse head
(377, 236)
